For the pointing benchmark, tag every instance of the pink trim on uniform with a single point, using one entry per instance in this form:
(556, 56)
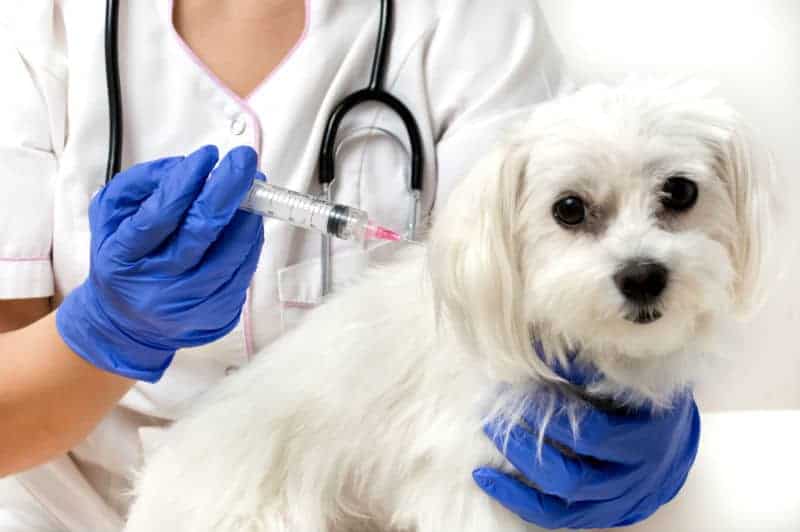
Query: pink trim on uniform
(247, 325)
(244, 103)
(298, 304)
(24, 259)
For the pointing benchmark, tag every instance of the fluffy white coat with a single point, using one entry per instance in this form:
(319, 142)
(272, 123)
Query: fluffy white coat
(368, 416)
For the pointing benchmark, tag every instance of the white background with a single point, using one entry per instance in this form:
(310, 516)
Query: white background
(745, 475)
(752, 48)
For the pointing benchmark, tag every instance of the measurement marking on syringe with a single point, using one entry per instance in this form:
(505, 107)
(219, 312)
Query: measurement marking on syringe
(310, 212)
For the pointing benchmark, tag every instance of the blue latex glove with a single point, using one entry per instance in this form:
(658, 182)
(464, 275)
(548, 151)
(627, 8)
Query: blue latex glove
(171, 260)
(619, 471)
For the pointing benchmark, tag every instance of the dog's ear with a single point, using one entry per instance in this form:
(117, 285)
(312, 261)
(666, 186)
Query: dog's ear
(749, 174)
(474, 261)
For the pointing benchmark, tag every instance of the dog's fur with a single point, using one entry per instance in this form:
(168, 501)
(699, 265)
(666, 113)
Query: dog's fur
(368, 416)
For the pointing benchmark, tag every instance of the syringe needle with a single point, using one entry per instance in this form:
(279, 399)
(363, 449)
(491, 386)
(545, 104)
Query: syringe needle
(378, 232)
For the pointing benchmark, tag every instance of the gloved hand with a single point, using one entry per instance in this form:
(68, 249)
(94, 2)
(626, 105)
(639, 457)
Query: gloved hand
(622, 468)
(171, 260)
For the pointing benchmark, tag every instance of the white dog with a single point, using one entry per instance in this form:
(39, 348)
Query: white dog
(623, 223)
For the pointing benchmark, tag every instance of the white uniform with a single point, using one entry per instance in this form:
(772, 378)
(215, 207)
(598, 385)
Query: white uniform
(463, 67)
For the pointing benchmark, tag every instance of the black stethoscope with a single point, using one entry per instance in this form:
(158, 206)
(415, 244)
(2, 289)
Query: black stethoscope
(374, 92)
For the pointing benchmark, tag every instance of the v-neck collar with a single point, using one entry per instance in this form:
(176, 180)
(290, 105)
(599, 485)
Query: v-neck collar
(310, 19)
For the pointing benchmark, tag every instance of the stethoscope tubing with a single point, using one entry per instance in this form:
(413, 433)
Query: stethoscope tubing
(374, 92)
(114, 159)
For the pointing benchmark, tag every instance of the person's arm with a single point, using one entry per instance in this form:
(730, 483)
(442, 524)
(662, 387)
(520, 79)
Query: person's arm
(47, 383)
(18, 313)
(172, 257)
(50, 399)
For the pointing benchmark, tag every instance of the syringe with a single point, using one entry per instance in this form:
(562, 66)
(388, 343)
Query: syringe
(308, 212)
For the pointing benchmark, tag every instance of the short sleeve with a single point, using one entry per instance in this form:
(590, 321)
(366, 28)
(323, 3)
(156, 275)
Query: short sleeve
(32, 107)
(488, 67)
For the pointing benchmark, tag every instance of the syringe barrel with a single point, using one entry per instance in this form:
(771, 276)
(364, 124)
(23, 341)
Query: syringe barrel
(306, 211)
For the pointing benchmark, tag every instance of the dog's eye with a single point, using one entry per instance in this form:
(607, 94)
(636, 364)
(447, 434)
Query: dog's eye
(569, 210)
(680, 194)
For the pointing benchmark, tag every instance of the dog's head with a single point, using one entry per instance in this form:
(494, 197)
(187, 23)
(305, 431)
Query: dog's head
(620, 223)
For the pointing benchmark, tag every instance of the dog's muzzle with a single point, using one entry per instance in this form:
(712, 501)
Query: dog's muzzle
(642, 282)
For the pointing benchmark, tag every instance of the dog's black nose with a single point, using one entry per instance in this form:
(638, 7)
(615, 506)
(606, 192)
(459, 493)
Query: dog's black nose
(641, 281)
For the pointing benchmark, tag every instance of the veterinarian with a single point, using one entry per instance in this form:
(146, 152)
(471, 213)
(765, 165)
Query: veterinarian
(119, 307)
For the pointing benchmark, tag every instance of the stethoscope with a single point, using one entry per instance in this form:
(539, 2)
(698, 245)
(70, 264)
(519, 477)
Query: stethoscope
(374, 92)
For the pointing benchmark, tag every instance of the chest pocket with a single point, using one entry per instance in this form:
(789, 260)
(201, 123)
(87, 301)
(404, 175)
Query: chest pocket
(372, 169)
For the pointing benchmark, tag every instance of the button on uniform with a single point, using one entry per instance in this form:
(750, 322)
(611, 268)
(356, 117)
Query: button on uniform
(230, 370)
(238, 125)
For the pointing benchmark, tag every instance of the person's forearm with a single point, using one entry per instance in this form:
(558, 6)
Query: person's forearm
(50, 398)
(18, 313)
